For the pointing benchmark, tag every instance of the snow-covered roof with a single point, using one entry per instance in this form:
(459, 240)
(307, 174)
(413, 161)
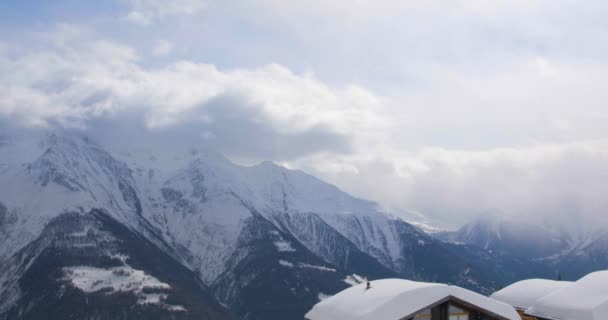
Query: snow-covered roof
(524, 294)
(585, 299)
(392, 299)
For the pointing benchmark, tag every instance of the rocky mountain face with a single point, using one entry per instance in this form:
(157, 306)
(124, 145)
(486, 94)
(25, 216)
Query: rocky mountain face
(92, 233)
(89, 266)
(500, 235)
(588, 257)
(523, 250)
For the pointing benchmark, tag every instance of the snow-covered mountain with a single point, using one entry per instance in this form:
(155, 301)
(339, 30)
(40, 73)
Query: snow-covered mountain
(588, 257)
(544, 249)
(499, 234)
(192, 235)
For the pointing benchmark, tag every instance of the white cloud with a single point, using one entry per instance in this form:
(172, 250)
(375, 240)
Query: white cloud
(144, 12)
(550, 183)
(389, 45)
(447, 109)
(162, 48)
(86, 79)
(139, 17)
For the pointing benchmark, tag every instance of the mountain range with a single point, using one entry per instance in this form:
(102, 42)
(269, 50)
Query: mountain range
(89, 232)
(548, 250)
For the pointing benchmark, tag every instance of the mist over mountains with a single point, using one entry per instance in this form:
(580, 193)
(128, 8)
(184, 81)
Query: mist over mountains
(193, 235)
(204, 159)
(118, 228)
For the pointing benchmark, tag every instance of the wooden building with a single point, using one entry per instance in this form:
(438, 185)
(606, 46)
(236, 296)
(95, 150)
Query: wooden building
(397, 299)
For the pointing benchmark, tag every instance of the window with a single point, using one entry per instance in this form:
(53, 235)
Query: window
(424, 315)
(456, 313)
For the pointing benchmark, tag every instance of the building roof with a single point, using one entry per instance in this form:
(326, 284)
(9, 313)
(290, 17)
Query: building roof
(392, 299)
(585, 299)
(524, 294)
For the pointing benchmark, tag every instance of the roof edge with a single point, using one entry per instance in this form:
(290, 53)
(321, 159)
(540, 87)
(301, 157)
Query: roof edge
(459, 301)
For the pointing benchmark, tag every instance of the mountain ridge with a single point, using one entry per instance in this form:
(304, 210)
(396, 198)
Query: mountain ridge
(543, 251)
(238, 230)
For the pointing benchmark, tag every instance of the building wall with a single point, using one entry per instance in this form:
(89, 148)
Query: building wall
(455, 313)
(526, 317)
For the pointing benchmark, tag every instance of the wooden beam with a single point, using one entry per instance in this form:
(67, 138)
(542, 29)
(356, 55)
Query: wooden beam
(441, 312)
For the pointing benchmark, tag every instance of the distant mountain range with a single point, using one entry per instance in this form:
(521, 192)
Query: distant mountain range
(92, 233)
(548, 250)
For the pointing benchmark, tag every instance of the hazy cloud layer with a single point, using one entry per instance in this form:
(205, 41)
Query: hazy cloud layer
(145, 12)
(269, 109)
(550, 183)
(450, 110)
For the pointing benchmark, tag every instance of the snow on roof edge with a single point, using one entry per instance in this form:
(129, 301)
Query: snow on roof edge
(585, 299)
(391, 299)
(524, 294)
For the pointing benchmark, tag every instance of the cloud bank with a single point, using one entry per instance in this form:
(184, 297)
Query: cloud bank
(145, 12)
(447, 110)
(263, 112)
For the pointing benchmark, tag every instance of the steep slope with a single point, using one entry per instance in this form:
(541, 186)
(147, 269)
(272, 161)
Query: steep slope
(504, 236)
(501, 269)
(255, 237)
(273, 276)
(89, 266)
(213, 192)
(585, 259)
(517, 250)
(45, 177)
(330, 245)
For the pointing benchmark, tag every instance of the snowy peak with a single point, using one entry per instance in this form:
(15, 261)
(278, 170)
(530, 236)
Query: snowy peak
(491, 228)
(301, 192)
(50, 174)
(500, 234)
(231, 226)
(80, 165)
(77, 164)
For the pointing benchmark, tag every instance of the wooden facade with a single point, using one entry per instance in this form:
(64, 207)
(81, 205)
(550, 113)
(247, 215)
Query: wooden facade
(454, 309)
(525, 316)
(399, 299)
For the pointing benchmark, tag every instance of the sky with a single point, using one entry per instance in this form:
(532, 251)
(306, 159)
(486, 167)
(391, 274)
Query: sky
(449, 109)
